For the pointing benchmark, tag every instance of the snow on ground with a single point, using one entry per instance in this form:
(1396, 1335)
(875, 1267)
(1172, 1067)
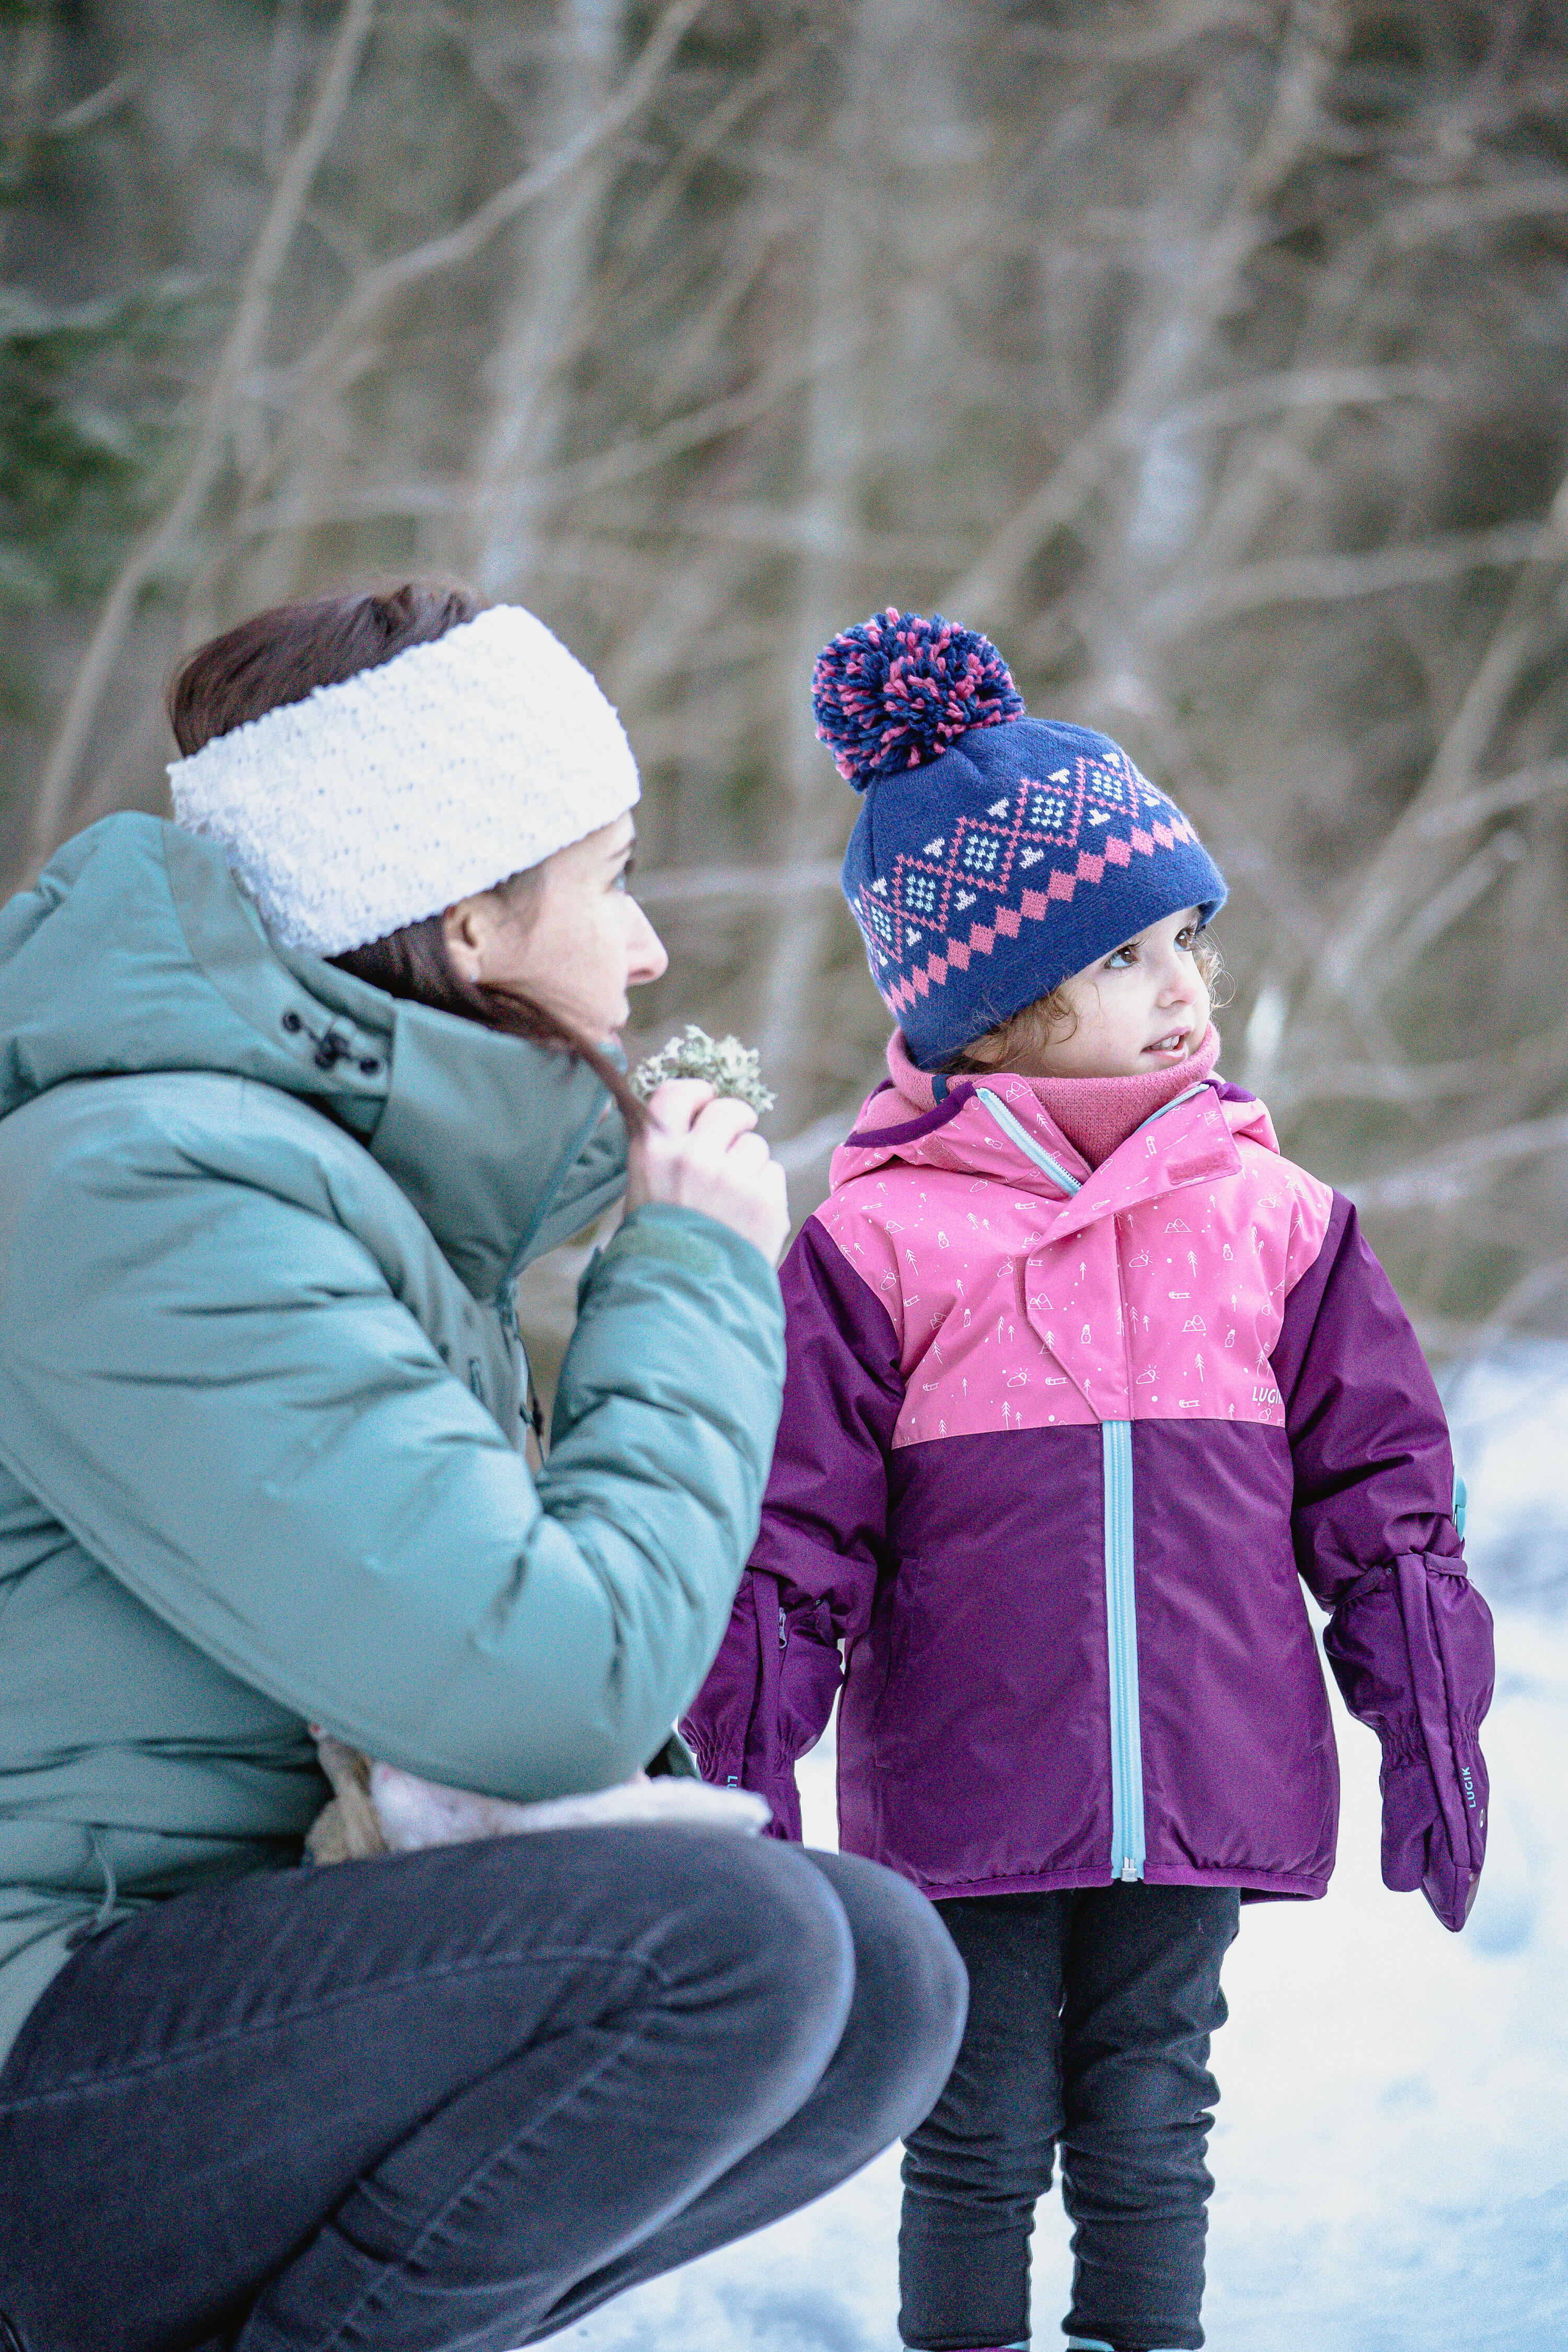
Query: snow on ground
(1392, 2145)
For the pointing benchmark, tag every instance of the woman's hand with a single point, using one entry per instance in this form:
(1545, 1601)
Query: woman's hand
(698, 1152)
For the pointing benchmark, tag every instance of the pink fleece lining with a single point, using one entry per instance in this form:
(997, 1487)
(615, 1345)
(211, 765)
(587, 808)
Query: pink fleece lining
(1094, 1114)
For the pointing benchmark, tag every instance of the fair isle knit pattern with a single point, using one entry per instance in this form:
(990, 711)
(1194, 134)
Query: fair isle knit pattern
(1095, 813)
(990, 862)
(388, 797)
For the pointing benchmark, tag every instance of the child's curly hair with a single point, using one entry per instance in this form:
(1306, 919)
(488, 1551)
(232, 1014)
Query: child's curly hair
(1025, 1033)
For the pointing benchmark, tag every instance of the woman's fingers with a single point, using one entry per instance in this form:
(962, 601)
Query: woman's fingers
(700, 1150)
(673, 1106)
(723, 1122)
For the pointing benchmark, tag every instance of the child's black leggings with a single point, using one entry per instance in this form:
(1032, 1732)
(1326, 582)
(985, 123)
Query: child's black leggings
(1090, 2017)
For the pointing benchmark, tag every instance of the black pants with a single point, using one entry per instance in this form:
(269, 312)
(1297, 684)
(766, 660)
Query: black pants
(1090, 2017)
(454, 2098)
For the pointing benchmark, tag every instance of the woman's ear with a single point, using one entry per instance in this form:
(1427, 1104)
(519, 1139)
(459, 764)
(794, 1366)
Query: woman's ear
(465, 930)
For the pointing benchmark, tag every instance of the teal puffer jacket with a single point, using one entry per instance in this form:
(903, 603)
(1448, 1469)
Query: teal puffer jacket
(261, 1396)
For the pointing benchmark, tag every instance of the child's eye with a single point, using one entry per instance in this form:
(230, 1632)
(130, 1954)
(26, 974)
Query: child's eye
(1187, 937)
(1123, 958)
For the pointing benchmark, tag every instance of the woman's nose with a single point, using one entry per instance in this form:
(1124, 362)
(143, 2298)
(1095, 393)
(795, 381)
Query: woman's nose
(647, 958)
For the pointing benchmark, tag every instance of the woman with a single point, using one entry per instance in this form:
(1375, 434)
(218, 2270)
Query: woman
(291, 1091)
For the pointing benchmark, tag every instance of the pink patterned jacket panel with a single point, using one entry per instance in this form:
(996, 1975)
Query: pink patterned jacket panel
(1155, 1292)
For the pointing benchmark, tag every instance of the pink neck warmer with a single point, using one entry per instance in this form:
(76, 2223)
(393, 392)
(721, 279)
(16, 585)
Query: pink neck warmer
(1096, 1114)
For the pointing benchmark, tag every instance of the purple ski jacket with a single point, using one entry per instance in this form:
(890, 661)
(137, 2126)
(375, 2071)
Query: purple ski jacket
(1059, 1446)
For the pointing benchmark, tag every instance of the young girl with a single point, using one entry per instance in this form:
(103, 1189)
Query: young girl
(1084, 1378)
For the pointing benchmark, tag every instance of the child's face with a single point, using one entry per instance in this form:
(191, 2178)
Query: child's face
(1143, 1007)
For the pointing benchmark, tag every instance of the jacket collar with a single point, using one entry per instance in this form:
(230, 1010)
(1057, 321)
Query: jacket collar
(1191, 1141)
(135, 953)
(480, 1131)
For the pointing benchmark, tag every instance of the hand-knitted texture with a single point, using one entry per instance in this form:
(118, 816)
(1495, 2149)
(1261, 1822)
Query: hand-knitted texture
(386, 798)
(895, 691)
(1010, 856)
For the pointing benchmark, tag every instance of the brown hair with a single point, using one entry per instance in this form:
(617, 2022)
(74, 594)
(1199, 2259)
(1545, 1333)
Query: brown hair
(1025, 1033)
(280, 657)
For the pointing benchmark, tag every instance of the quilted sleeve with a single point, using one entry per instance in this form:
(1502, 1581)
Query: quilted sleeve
(812, 1575)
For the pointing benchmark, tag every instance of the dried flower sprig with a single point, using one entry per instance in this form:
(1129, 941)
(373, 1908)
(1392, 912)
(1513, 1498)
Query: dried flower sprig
(729, 1067)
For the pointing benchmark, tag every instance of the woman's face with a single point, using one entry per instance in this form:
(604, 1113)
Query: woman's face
(574, 945)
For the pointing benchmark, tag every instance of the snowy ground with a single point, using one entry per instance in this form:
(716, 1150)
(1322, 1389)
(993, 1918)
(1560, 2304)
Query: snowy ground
(1392, 2148)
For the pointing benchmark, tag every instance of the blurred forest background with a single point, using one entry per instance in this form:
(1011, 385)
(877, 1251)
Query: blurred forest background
(1212, 354)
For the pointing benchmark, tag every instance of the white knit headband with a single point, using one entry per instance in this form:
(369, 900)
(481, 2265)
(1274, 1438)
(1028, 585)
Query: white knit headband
(384, 799)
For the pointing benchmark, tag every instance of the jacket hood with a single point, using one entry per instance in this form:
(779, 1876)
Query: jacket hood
(136, 953)
(998, 1128)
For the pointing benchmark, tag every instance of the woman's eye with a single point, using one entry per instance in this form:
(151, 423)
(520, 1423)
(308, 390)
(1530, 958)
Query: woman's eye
(623, 879)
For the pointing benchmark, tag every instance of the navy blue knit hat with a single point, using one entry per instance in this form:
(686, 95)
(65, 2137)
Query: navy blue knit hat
(995, 854)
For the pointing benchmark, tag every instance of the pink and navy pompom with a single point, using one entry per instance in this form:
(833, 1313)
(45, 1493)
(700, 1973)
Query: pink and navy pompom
(982, 880)
(893, 692)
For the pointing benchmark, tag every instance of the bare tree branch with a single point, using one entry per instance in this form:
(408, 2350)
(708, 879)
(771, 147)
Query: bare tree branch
(252, 315)
(1518, 791)
(984, 587)
(1333, 579)
(1314, 35)
(1438, 913)
(1450, 1174)
(1328, 387)
(1176, 29)
(382, 284)
(552, 266)
(1398, 874)
(627, 459)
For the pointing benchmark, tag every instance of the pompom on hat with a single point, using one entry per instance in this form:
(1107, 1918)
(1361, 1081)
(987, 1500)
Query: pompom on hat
(392, 794)
(994, 855)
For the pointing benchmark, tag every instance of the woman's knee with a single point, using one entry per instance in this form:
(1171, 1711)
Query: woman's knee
(911, 1992)
(765, 1932)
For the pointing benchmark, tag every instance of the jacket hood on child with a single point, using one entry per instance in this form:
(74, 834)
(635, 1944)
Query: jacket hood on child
(261, 1436)
(1059, 1445)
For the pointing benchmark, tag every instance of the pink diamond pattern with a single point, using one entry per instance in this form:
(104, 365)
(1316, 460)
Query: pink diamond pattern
(983, 859)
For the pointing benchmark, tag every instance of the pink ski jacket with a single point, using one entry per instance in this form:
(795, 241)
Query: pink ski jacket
(1059, 1446)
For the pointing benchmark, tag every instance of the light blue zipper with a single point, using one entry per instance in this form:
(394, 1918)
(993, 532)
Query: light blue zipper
(1016, 1132)
(1121, 1632)
(1127, 1841)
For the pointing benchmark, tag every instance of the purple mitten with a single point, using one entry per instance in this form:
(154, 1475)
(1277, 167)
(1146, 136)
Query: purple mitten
(1416, 1849)
(1410, 1812)
(809, 1676)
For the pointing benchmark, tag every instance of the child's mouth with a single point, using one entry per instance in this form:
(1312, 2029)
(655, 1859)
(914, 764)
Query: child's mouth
(1174, 1045)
